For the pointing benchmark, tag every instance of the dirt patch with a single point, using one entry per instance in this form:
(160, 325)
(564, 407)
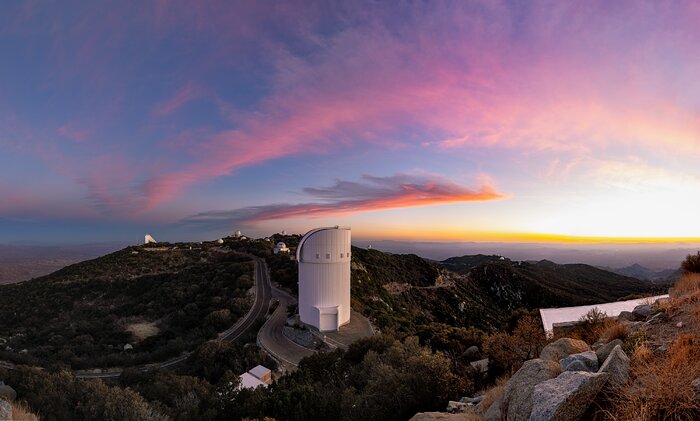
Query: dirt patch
(143, 330)
(396, 288)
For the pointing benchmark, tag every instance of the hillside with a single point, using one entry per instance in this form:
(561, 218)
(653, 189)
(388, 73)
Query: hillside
(80, 316)
(160, 300)
(402, 292)
(547, 284)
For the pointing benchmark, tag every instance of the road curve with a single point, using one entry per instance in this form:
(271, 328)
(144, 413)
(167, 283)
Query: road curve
(271, 337)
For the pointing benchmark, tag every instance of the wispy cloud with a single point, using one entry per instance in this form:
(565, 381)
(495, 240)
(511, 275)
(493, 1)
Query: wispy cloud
(187, 93)
(351, 197)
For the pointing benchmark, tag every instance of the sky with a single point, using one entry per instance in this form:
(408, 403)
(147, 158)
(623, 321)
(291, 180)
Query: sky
(542, 121)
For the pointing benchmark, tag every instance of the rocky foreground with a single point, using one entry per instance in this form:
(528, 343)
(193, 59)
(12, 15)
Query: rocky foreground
(572, 380)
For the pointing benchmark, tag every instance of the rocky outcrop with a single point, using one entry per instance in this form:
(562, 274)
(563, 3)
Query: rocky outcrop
(617, 366)
(562, 348)
(605, 350)
(626, 316)
(517, 394)
(7, 393)
(566, 397)
(5, 410)
(583, 361)
(455, 406)
(472, 401)
(545, 389)
(641, 312)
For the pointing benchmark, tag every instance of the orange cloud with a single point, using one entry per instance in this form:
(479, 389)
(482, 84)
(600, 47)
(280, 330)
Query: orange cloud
(346, 197)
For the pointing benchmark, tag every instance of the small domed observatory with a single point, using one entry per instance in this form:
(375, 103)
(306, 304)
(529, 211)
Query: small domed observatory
(280, 247)
(324, 278)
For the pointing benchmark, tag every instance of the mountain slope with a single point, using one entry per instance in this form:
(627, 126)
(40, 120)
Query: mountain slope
(546, 284)
(402, 292)
(161, 300)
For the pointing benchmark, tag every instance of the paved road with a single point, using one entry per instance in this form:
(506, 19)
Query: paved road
(263, 295)
(271, 336)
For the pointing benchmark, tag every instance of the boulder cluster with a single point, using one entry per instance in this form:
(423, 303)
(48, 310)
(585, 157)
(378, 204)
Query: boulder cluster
(562, 383)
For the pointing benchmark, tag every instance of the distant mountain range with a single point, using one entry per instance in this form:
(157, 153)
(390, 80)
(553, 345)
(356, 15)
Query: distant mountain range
(640, 272)
(21, 262)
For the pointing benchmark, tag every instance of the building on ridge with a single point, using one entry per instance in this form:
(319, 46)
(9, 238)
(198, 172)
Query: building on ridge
(281, 247)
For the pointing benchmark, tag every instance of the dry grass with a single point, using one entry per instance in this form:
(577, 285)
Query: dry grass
(642, 355)
(662, 389)
(491, 395)
(687, 285)
(614, 330)
(143, 330)
(20, 412)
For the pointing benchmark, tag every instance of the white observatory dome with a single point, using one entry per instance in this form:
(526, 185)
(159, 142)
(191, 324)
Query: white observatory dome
(324, 278)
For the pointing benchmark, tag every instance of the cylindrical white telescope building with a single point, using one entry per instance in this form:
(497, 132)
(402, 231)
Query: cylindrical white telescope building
(324, 278)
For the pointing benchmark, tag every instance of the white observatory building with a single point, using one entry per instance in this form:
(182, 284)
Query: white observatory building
(324, 278)
(281, 247)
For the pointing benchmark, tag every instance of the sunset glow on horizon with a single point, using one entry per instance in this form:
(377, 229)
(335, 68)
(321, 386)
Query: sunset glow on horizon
(545, 121)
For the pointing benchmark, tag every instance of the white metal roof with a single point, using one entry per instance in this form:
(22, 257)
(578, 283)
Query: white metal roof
(550, 316)
(259, 371)
(248, 381)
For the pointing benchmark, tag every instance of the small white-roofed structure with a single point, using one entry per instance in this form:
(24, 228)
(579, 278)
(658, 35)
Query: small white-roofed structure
(148, 239)
(262, 373)
(220, 241)
(281, 247)
(248, 381)
(237, 234)
(554, 316)
(324, 278)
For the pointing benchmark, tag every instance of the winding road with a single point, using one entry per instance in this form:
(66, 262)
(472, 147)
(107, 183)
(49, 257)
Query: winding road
(270, 336)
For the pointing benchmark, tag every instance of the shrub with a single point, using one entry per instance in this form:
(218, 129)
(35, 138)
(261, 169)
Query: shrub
(634, 341)
(691, 264)
(591, 326)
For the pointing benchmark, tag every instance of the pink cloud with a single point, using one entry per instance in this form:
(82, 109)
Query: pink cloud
(548, 77)
(457, 72)
(347, 198)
